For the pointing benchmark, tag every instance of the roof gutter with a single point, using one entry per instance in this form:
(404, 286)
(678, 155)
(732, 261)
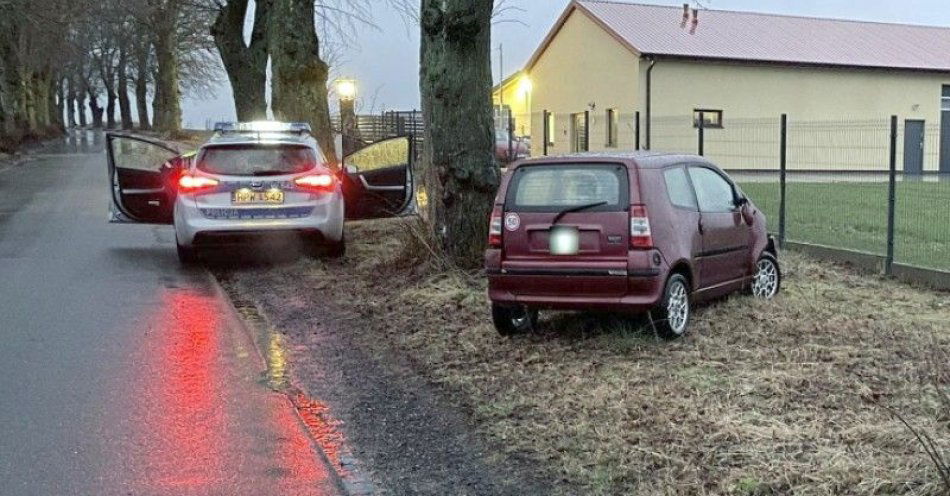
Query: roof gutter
(649, 102)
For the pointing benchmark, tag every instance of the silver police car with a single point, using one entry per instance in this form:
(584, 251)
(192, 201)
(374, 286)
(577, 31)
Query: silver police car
(254, 180)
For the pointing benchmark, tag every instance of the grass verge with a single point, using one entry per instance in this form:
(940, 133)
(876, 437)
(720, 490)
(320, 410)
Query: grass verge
(793, 396)
(853, 215)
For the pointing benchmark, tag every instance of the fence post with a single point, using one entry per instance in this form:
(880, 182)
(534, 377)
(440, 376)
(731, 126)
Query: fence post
(783, 168)
(891, 199)
(546, 118)
(702, 134)
(636, 126)
(511, 136)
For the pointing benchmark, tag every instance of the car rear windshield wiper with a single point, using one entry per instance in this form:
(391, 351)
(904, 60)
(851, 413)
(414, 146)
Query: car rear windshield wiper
(578, 208)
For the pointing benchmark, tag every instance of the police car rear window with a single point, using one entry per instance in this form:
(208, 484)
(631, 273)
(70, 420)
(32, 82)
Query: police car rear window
(257, 160)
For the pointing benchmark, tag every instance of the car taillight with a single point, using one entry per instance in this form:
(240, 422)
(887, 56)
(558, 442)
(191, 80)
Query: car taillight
(188, 183)
(494, 228)
(640, 236)
(323, 183)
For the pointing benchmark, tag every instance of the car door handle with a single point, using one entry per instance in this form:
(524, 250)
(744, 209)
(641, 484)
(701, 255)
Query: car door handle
(370, 187)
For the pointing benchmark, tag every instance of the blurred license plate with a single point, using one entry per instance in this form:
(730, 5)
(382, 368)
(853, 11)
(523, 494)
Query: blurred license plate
(564, 240)
(273, 196)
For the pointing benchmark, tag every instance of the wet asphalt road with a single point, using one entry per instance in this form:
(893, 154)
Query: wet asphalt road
(120, 372)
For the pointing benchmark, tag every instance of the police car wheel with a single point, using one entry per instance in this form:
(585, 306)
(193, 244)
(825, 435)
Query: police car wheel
(187, 255)
(336, 249)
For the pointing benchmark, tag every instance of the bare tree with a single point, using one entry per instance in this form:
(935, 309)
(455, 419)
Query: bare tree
(461, 174)
(300, 76)
(245, 63)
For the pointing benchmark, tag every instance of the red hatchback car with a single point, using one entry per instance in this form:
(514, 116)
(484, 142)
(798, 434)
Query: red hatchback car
(641, 232)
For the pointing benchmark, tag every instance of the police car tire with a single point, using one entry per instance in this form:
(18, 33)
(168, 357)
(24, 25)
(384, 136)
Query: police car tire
(187, 255)
(336, 249)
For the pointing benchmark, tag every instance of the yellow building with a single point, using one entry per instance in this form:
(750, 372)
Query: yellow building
(609, 69)
(513, 95)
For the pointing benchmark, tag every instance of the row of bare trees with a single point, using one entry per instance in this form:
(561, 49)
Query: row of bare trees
(65, 63)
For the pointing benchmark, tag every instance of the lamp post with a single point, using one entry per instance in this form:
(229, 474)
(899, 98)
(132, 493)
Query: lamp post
(346, 89)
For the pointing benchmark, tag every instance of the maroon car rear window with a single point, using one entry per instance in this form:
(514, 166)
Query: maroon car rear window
(257, 160)
(544, 188)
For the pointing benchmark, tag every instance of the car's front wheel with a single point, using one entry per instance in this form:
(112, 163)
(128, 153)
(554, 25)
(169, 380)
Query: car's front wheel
(513, 320)
(768, 277)
(671, 317)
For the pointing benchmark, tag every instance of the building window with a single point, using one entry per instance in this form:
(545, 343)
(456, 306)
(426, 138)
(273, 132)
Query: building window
(579, 132)
(945, 99)
(550, 128)
(611, 128)
(712, 119)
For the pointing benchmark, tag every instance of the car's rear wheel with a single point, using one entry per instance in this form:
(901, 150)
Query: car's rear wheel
(337, 249)
(513, 320)
(671, 316)
(768, 277)
(187, 255)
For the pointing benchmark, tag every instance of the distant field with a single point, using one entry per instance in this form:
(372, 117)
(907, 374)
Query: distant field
(853, 215)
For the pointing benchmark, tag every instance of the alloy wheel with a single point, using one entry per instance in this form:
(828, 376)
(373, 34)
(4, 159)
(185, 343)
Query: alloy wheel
(677, 307)
(765, 284)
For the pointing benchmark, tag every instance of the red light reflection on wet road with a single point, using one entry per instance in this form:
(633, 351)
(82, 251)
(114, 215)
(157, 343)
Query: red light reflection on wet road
(206, 423)
(189, 422)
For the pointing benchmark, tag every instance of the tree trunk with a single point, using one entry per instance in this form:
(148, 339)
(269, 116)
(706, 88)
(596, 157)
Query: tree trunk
(156, 103)
(141, 87)
(71, 103)
(460, 172)
(108, 81)
(81, 110)
(95, 109)
(122, 88)
(299, 82)
(167, 93)
(12, 75)
(29, 83)
(246, 65)
(56, 103)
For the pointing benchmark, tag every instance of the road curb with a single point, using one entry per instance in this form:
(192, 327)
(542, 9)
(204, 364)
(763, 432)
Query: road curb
(348, 476)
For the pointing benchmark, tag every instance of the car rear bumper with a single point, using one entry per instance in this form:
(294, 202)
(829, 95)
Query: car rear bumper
(324, 219)
(643, 291)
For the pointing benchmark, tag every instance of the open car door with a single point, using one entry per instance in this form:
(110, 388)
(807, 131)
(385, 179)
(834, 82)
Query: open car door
(377, 180)
(142, 179)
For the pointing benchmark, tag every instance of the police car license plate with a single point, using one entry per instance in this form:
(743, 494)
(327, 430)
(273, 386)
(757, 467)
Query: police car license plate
(245, 196)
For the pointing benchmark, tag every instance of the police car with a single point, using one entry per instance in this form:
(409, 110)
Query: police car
(253, 180)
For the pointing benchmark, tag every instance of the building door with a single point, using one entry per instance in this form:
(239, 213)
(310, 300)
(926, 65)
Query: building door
(945, 129)
(579, 141)
(914, 147)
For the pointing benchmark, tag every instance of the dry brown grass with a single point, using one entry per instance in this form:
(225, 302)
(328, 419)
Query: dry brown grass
(782, 397)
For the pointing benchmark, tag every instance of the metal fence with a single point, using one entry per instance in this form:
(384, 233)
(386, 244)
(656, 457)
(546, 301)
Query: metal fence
(871, 190)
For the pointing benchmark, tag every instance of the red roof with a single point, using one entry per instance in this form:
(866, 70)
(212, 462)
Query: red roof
(747, 36)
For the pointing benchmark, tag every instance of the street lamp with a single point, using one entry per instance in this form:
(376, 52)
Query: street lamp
(346, 89)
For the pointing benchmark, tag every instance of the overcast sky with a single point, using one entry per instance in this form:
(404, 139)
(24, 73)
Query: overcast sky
(385, 59)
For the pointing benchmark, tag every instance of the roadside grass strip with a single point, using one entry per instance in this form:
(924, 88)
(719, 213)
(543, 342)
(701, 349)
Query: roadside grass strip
(791, 396)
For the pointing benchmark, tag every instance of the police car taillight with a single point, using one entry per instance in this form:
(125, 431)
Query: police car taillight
(188, 183)
(317, 182)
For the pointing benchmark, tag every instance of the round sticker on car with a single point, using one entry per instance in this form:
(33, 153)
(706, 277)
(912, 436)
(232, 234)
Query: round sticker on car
(512, 222)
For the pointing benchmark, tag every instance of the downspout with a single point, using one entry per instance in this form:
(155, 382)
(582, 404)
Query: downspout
(649, 103)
